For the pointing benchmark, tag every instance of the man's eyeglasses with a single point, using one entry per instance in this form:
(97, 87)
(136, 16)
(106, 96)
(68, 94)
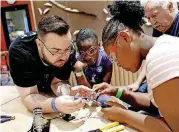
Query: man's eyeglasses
(59, 52)
(91, 51)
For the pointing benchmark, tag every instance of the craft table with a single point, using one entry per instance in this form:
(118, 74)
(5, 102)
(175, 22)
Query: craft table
(11, 105)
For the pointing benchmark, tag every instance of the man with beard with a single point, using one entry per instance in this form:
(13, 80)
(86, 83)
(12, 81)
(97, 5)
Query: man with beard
(41, 62)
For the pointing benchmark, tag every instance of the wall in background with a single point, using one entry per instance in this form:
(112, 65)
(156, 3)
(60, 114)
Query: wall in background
(77, 21)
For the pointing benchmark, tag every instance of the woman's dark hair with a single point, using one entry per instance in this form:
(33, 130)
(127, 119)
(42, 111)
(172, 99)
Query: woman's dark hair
(124, 14)
(86, 34)
(53, 24)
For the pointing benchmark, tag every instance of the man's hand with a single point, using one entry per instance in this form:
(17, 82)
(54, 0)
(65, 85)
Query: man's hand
(114, 113)
(79, 66)
(133, 87)
(82, 91)
(66, 104)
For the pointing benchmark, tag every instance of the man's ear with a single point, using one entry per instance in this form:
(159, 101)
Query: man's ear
(37, 42)
(170, 7)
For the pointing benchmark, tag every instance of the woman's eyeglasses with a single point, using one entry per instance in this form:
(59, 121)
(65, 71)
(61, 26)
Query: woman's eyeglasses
(91, 51)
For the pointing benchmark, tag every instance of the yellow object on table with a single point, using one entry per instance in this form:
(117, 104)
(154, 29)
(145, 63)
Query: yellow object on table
(115, 129)
(110, 125)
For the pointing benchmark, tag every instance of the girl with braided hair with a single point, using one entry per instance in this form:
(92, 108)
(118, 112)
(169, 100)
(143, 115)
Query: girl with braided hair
(126, 43)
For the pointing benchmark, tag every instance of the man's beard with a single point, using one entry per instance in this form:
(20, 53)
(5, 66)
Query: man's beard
(46, 61)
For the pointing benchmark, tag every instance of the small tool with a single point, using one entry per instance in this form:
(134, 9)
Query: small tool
(40, 123)
(68, 117)
(5, 118)
(111, 127)
(115, 129)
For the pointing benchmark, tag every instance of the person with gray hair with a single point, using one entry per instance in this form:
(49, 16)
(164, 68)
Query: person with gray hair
(164, 17)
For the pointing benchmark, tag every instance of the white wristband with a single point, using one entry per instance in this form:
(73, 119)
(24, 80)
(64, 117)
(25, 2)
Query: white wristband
(79, 74)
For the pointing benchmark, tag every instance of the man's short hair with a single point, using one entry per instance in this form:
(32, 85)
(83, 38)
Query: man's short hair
(53, 24)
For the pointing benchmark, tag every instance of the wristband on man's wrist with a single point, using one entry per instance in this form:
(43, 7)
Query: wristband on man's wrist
(53, 105)
(119, 92)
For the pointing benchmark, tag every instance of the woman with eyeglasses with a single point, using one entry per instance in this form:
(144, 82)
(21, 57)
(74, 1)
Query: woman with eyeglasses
(124, 39)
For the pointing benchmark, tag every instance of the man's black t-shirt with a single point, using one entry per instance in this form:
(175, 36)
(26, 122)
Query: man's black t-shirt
(27, 69)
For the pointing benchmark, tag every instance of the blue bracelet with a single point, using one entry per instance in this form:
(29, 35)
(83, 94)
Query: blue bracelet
(53, 105)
